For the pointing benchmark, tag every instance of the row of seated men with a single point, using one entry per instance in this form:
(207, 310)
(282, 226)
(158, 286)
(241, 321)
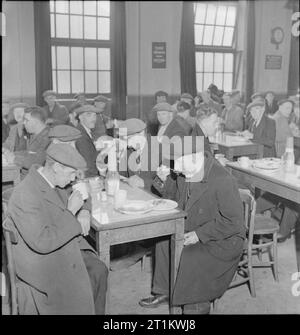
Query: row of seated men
(54, 241)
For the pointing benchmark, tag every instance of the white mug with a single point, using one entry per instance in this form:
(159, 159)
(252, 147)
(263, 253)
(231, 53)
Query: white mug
(82, 188)
(244, 161)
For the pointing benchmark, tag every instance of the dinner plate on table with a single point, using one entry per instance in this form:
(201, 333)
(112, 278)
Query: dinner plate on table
(267, 164)
(163, 204)
(136, 207)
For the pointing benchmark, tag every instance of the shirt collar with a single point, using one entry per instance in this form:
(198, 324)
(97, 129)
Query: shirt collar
(39, 170)
(87, 130)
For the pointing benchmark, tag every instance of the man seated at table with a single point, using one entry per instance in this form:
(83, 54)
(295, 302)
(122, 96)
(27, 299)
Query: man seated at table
(58, 271)
(207, 102)
(104, 120)
(214, 233)
(184, 111)
(271, 103)
(255, 97)
(185, 97)
(233, 115)
(152, 122)
(56, 113)
(35, 153)
(5, 126)
(263, 130)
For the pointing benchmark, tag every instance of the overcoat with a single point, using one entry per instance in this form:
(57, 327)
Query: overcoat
(17, 139)
(59, 114)
(47, 256)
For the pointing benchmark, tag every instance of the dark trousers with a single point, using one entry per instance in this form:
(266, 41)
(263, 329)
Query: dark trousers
(98, 276)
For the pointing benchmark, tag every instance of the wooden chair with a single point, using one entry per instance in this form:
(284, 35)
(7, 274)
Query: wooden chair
(11, 238)
(6, 194)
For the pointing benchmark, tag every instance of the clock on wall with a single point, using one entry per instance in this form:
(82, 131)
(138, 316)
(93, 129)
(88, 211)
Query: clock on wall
(277, 36)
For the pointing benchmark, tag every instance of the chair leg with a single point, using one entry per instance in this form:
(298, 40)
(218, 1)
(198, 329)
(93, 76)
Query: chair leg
(259, 251)
(251, 277)
(143, 260)
(275, 257)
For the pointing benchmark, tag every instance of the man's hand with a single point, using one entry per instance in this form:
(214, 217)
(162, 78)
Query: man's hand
(163, 172)
(190, 238)
(84, 219)
(247, 134)
(75, 202)
(136, 181)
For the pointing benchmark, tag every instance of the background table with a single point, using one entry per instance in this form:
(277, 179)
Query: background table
(11, 173)
(124, 228)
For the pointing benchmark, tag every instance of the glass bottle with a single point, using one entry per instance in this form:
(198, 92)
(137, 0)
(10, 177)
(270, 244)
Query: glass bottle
(289, 156)
(112, 177)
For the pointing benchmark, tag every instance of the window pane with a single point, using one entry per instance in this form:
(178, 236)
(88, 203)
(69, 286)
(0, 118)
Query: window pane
(51, 6)
(62, 26)
(63, 58)
(228, 62)
(77, 81)
(218, 36)
(227, 82)
(63, 81)
(221, 15)
(89, 7)
(76, 7)
(208, 79)
(104, 81)
(199, 61)
(218, 80)
(91, 82)
(90, 28)
(228, 35)
(200, 13)
(208, 61)
(103, 8)
(230, 20)
(198, 33)
(53, 57)
(77, 58)
(76, 26)
(103, 59)
(90, 59)
(103, 28)
(208, 35)
(211, 14)
(218, 62)
(52, 25)
(54, 81)
(62, 6)
(199, 77)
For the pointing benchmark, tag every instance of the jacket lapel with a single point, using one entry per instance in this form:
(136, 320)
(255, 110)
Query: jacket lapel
(85, 134)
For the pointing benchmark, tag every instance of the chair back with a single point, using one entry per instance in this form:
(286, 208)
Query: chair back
(11, 237)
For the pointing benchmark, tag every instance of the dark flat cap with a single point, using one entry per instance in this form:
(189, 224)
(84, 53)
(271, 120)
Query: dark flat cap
(101, 98)
(260, 103)
(186, 96)
(64, 133)
(163, 107)
(49, 92)
(19, 105)
(280, 102)
(133, 125)
(87, 108)
(66, 155)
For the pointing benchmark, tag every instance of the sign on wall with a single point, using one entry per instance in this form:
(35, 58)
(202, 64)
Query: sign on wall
(159, 55)
(273, 62)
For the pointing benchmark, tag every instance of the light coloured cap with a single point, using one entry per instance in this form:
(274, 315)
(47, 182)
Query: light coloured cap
(133, 125)
(87, 108)
(163, 107)
(64, 133)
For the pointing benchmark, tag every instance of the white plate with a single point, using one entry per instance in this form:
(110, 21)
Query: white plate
(163, 204)
(267, 164)
(136, 207)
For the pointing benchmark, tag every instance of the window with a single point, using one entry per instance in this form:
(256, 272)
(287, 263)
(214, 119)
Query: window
(81, 47)
(215, 35)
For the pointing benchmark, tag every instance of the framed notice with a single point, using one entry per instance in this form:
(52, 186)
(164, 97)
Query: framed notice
(159, 55)
(273, 62)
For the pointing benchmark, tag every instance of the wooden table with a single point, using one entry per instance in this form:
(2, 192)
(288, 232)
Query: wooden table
(233, 149)
(279, 183)
(297, 147)
(11, 173)
(124, 228)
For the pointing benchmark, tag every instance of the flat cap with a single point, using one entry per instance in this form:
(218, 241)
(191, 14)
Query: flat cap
(101, 98)
(74, 106)
(256, 95)
(77, 95)
(19, 105)
(49, 92)
(133, 125)
(280, 102)
(163, 107)
(66, 155)
(64, 133)
(260, 103)
(186, 96)
(88, 109)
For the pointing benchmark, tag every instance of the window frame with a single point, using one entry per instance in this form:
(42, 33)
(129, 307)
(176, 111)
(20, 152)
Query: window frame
(215, 48)
(83, 43)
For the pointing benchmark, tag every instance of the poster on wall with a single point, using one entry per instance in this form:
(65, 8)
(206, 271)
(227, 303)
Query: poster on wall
(273, 62)
(159, 55)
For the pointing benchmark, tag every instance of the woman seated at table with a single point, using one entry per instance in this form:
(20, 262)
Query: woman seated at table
(233, 115)
(17, 137)
(214, 234)
(263, 129)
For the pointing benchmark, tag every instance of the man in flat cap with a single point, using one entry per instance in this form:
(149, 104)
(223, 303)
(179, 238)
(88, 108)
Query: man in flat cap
(87, 116)
(58, 271)
(64, 134)
(152, 122)
(56, 113)
(263, 129)
(104, 120)
(233, 115)
(35, 153)
(214, 233)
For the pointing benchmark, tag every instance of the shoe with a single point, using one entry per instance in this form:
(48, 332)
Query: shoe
(154, 301)
(281, 238)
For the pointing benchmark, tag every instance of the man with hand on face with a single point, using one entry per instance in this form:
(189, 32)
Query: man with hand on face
(58, 271)
(103, 122)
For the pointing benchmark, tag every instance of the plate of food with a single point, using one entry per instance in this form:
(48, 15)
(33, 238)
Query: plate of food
(269, 164)
(163, 204)
(136, 207)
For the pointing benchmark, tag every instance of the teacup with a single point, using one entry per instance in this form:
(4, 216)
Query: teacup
(244, 161)
(82, 188)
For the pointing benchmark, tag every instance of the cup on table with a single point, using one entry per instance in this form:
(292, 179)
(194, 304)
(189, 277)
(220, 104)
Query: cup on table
(96, 184)
(82, 188)
(244, 161)
(120, 198)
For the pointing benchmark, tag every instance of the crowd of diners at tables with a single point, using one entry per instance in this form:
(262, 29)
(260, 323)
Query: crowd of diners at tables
(58, 270)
